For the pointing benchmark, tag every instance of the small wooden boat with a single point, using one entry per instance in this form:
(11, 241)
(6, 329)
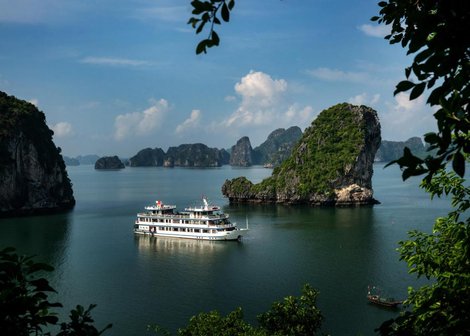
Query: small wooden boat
(374, 296)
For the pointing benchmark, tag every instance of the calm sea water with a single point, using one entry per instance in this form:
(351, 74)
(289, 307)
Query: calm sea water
(138, 280)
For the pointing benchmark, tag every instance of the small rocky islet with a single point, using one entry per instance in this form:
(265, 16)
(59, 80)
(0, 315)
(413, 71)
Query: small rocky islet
(331, 165)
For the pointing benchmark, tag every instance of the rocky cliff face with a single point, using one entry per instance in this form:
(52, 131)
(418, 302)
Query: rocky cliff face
(393, 150)
(332, 164)
(33, 178)
(109, 162)
(194, 155)
(242, 153)
(148, 157)
(277, 147)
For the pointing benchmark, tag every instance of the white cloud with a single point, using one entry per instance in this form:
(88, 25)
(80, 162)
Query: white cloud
(34, 12)
(375, 30)
(62, 129)
(263, 107)
(335, 75)
(166, 13)
(140, 123)
(111, 61)
(259, 94)
(299, 116)
(260, 88)
(405, 118)
(34, 101)
(364, 99)
(191, 122)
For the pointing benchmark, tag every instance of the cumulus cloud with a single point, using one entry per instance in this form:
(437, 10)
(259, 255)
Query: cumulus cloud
(62, 129)
(375, 30)
(230, 98)
(111, 61)
(405, 118)
(259, 95)
(335, 75)
(263, 105)
(364, 99)
(190, 123)
(140, 123)
(34, 101)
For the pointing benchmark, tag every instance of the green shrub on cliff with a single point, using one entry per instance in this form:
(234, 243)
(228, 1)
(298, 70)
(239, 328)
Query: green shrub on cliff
(21, 116)
(336, 151)
(329, 145)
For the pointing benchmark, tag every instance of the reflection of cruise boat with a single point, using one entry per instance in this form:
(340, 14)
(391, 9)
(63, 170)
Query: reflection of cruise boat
(203, 222)
(168, 245)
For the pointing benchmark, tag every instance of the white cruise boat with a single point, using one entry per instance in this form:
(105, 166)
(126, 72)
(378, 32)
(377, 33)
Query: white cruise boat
(206, 222)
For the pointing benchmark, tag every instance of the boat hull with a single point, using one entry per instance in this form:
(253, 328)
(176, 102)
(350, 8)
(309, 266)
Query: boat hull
(389, 303)
(230, 235)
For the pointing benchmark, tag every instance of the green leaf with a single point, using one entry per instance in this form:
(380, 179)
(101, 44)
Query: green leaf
(407, 72)
(225, 13)
(403, 86)
(458, 164)
(201, 47)
(417, 90)
(431, 138)
(215, 38)
(200, 27)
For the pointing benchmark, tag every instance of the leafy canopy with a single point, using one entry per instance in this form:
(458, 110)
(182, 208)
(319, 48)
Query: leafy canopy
(437, 33)
(24, 305)
(294, 316)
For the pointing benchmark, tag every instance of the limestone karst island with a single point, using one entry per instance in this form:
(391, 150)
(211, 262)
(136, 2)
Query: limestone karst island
(331, 165)
(33, 178)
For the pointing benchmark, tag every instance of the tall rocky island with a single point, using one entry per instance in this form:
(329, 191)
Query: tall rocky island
(332, 164)
(33, 178)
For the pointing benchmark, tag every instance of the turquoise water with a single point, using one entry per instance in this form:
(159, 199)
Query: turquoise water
(139, 280)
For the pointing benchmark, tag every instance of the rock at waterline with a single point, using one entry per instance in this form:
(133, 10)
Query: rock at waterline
(332, 164)
(33, 177)
(109, 162)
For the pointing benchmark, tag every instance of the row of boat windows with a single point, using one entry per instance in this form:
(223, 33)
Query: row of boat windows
(174, 229)
(181, 221)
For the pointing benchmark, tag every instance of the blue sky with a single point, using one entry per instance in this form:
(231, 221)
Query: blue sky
(114, 77)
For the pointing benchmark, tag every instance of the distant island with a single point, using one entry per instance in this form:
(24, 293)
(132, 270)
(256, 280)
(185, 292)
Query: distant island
(81, 160)
(33, 178)
(109, 162)
(274, 150)
(392, 150)
(332, 164)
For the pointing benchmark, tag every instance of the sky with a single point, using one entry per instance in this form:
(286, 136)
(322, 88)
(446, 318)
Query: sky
(116, 76)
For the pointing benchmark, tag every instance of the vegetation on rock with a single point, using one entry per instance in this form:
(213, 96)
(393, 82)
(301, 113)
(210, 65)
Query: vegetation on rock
(277, 147)
(195, 155)
(33, 178)
(109, 162)
(393, 150)
(241, 153)
(337, 150)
